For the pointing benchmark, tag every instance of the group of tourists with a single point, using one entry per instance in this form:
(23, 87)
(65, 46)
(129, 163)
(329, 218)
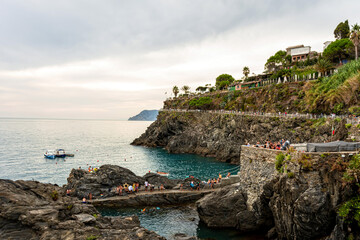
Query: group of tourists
(280, 145)
(135, 188)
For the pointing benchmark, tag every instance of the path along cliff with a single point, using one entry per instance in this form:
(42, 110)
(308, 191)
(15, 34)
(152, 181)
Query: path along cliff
(220, 135)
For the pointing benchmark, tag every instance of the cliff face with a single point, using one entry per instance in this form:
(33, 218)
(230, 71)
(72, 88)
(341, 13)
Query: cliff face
(299, 203)
(221, 135)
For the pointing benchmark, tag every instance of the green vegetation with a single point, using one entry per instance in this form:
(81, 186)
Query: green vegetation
(201, 103)
(291, 175)
(69, 207)
(355, 38)
(352, 170)
(342, 30)
(335, 93)
(185, 89)
(95, 215)
(175, 90)
(54, 195)
(305, 162)
(92, 237)
(279, 162)
(348, 125)
(350, 211)
(339, 50)
(246, 71)
(223, 81)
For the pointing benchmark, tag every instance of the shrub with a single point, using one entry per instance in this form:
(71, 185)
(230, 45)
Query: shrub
(291, 175)
(305, 162)
(54, 195)
(353, 170)
(279, 162)
(350, 211)
(349, 125)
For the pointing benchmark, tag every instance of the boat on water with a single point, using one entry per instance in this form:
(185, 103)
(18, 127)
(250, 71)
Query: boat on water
(165, 174)
(58, 153)
(49, 154)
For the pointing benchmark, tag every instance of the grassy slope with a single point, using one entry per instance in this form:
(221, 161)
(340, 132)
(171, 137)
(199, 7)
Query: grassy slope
(336, 94)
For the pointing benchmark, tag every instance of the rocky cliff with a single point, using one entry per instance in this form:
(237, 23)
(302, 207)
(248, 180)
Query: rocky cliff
(221, 135)
(33, 210)
(297, 196)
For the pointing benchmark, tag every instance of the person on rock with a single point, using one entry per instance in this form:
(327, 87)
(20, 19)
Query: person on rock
(84, 200)
(146, 185)
(131, 189)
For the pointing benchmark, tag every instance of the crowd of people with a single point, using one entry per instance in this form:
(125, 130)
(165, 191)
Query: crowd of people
(280, 145)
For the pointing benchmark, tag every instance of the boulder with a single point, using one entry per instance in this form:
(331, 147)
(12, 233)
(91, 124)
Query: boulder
(157, 180)
(101, 182)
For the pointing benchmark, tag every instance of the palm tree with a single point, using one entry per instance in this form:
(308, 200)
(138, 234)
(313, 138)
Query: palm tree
(175, 90)
(323, 65)
(355, 38)
(246, 71)
(185, 89)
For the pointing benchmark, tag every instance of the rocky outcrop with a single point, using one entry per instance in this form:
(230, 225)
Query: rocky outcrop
(300, 201)
(221, 135)
(102, 182)
(33, 210)
(157, 180)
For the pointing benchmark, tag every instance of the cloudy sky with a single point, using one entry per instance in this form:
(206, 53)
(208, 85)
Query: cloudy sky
(88, 59)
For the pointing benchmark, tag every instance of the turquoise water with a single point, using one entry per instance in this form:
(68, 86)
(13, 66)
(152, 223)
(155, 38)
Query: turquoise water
(94, 143)
(170, 220)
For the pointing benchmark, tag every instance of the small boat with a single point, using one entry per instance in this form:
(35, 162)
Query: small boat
(50, 154)
(165, 174)
(58, 153)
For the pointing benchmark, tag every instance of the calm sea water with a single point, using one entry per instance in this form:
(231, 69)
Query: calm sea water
(94, 143)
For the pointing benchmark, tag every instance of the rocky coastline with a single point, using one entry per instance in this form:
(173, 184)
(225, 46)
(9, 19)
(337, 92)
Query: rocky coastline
(221, 135)
(34, 210)
(301, 202)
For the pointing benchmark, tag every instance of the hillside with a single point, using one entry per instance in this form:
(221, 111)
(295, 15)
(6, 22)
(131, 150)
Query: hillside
(145, 115)
(337, 94)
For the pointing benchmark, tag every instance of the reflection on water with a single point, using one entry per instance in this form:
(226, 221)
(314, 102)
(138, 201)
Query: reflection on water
(167, 221)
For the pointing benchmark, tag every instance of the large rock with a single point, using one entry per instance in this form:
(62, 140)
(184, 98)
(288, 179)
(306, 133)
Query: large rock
(104, 181)
(157, 180)
(31, 210)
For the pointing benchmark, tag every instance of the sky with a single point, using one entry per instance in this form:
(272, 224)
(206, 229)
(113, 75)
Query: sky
(90, 59)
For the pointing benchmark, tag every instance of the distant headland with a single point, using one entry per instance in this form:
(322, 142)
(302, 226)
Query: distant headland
(145, 115)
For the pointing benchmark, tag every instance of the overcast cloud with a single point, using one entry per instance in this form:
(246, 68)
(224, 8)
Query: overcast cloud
(112, 59)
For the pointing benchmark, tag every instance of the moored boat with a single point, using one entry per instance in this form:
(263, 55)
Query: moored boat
(50, 154)
(163, 173)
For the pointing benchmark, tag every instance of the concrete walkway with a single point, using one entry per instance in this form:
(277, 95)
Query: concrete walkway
(154, 198)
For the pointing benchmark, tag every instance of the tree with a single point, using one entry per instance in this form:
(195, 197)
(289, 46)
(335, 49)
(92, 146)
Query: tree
(175, 90)
(223, 81)
(201, 89)
(355, 38)
(323, 65)
(342, 30)
(185, 89)
(246, 71)
(338, 50)
(279, 59)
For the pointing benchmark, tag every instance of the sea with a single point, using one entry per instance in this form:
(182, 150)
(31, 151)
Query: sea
(23, 143)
